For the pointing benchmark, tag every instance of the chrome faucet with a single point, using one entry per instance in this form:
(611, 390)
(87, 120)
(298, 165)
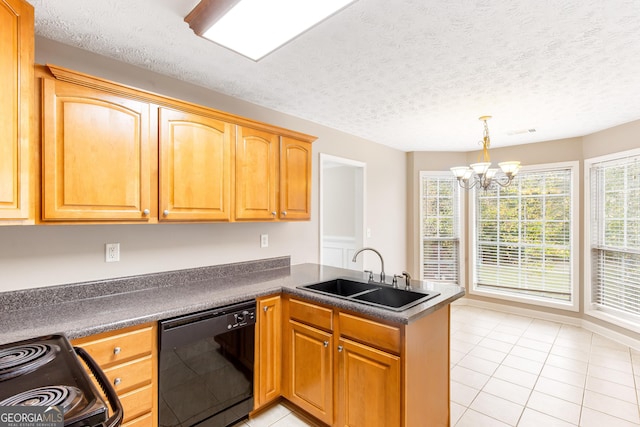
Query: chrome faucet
(381, 260)
(407, 280)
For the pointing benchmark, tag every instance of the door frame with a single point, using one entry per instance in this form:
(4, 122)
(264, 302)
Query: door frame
(326, 159)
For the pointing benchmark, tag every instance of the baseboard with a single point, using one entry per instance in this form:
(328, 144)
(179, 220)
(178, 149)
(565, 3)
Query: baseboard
(552, 317)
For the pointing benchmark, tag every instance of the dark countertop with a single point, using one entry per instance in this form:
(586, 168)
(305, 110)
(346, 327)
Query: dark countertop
(79, 310)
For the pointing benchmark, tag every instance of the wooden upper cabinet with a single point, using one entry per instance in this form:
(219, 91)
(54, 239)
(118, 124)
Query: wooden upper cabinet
(16, 103)
(295, 179)
(256, 174)
(195, 163)
(273, 176)
(96, 155)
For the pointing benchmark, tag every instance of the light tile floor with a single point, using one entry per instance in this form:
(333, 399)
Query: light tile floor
(509, 370)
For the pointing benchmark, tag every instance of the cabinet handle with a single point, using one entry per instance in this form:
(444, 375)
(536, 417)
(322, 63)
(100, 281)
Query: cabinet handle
(116, 350)
(117, 381)
(326, 343)
(340, 349)
(265, 308)
(284, 213)
(274, 213)
(146, 212)
(165, 212)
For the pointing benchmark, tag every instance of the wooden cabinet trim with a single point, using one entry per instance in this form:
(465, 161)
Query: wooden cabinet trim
(65, 74)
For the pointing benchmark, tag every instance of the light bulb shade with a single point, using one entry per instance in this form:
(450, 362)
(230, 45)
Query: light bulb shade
(491, 173)
(509, 168)
(481, 168)
(460, 171)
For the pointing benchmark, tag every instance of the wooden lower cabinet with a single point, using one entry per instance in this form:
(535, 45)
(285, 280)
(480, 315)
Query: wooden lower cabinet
(350, 370)
(309, 355)
(129, 359)
(369, 392)
(268, 360)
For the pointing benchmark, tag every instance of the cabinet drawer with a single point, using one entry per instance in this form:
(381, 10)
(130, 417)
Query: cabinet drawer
(311, 314)
(130, 374)
(367, 331)
(142, 421)
(110, 349)
(137, 402)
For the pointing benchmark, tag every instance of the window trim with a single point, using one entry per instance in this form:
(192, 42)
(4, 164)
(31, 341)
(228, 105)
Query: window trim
(574, 304)
(461, 226)
(591, 309)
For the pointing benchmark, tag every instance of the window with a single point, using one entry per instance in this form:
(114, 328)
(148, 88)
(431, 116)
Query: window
(614, 235)
(524, 238)
(440, 227)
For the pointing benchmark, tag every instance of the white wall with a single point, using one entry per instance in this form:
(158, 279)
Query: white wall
(33, 256)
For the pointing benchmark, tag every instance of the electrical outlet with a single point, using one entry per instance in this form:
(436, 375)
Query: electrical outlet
(264, 240)
(112, 252)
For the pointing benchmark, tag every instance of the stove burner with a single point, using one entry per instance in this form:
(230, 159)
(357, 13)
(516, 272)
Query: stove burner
(16, 361)
(66, 396)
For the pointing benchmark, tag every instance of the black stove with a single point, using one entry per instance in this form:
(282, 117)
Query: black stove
(46, 371)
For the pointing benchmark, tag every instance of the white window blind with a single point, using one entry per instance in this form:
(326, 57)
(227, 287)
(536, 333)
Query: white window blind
(523, 236)
(615, 235)
(440, 208)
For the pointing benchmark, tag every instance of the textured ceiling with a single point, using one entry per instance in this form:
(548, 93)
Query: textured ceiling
(411, 74)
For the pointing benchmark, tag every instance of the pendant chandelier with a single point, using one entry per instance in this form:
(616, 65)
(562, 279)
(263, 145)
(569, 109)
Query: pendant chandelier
(482, 174)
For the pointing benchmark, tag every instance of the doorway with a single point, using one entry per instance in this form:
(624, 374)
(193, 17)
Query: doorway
(342, 201)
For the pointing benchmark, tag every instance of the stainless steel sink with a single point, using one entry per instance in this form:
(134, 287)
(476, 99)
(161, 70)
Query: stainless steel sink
(378, 295)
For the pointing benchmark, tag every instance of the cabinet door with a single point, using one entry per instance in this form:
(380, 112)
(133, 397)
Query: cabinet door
(195, 162)
(310, 373)
(368, 386)
(256, 175)
(268, 350)
(96, 155)
(16, 103)
(295, 179)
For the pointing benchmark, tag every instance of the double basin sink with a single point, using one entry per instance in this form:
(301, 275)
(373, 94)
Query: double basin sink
(375, 294)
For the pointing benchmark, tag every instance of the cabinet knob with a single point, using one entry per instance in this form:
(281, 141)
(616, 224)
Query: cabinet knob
(265, 308)
(326, 343)
(117, 381)
(284, 213)
(274, 213)
(340, 349)
(165, 212)
(116, 350)
(146, 211)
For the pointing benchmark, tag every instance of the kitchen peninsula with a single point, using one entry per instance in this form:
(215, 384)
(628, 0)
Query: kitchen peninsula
(418, 338)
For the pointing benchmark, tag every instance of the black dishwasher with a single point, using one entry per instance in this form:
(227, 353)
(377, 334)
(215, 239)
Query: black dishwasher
(205, 373)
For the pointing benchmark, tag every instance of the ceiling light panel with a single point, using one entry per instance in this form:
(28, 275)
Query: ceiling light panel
(255, 28)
